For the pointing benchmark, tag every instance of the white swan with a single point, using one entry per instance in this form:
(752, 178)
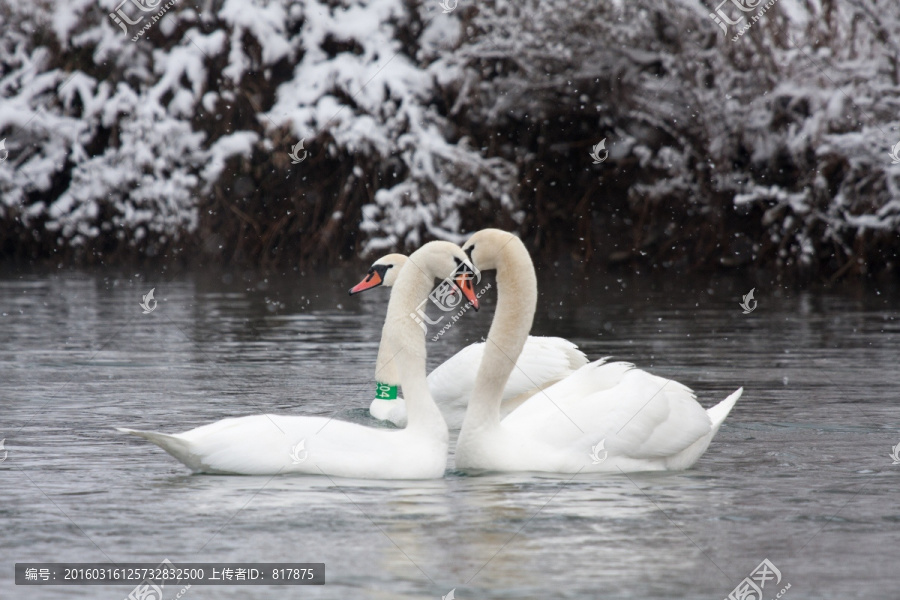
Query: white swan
(604, 417)
(272, 444)
(543, 362)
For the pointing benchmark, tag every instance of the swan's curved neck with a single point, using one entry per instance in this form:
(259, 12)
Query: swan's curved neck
(402, 351)
(386, 369)
(516, 302)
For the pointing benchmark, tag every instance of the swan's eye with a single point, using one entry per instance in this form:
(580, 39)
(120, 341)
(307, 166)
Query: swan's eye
(468, 251)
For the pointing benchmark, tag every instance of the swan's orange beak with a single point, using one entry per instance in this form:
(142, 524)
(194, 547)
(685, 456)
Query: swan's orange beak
(464, 282)
(373, 279)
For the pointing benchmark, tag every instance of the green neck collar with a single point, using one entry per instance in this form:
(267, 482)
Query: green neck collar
(384, 391)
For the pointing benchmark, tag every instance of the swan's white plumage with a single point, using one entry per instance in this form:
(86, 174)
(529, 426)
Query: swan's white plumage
(543, 362)
(647, 422)
(262, 445)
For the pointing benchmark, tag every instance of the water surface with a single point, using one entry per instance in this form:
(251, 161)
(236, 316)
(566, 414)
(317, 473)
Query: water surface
(799, 474)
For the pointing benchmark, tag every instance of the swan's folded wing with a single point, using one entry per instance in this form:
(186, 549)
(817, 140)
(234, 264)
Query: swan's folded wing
(544, 361)
(453, 381)
(254, 444)
(639, 415)
(663, 417)
(549, 414)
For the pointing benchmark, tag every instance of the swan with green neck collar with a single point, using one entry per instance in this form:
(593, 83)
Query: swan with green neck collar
(274, 444)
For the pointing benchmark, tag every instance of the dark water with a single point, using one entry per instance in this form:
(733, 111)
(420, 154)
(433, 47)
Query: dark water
(800, 474)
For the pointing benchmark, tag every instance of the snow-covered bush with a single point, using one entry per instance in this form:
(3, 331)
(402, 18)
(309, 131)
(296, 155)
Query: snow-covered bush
(771, 149)
(767, 148)
(157, 135)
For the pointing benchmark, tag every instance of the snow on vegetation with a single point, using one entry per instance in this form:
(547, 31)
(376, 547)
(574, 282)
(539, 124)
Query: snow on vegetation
(770, 150)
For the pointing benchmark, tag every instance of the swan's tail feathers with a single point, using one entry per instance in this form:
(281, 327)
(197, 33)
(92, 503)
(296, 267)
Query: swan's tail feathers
(718, 412)
(173, 444)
